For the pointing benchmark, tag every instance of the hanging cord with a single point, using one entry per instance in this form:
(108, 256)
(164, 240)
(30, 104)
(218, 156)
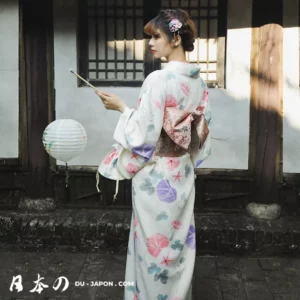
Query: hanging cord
(69, 107)
(117, 190)
(97, 182)
(67, 174)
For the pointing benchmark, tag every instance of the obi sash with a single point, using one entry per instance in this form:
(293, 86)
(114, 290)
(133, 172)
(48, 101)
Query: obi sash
(178, 127)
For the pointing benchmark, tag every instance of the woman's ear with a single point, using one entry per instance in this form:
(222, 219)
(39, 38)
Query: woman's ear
(176, 41)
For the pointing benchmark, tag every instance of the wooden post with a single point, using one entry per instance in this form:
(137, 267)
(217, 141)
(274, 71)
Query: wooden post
(37, 23)
(266, 112)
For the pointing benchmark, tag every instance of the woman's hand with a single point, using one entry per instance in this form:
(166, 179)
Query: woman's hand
(111, 101)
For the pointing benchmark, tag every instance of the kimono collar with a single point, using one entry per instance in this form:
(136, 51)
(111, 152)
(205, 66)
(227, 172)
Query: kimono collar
(184, 68)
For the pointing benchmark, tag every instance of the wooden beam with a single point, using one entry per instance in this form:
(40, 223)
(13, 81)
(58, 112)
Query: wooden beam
(82, 40)
(221, 43)
(151, 9)
(50, 77)
(266, 112)
(23, 143)
(265, 142)
(267, 12)
(37, 21)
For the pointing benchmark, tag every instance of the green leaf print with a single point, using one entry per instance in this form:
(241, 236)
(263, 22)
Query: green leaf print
(163, 277)
(208, 117)
(171, 76)
(172, 235)
(183, 197)
(156, 176)
(150, 128)
(188, 170)
(115, 162)
(203, 84)
(140, 258)
(162, 216)
(182, 260)
(194, 72)
(162, 297)
(131, 289)
(153, 269)
(177, 245)
(147, 187)
(129, 139)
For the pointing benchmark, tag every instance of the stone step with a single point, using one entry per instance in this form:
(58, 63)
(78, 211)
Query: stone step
(109, 229)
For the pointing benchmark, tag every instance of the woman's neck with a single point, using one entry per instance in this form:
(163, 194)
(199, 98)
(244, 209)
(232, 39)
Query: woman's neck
(178, 55)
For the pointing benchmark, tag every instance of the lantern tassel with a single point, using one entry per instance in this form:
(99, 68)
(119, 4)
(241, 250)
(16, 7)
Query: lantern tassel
(97, 182)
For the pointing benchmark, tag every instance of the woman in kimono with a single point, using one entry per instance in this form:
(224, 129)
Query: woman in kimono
(159, 144)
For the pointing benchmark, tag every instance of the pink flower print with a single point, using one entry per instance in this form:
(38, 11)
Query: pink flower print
(157, 104)
(173, 163)
(185, 89)
(205, 95)
(135, 296)
(171, 101)
(139, 102)
(134, 156)
(176, 224)
(136, 222)
(166, 260)
(156, 243)
(131, 168)
(108, 158)
(177, 176)
(176, 298)
(201, 108)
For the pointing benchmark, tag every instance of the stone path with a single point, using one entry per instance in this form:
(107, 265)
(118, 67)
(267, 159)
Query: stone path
(215, 277)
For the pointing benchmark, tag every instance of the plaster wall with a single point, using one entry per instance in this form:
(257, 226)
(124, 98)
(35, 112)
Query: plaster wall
(9, 78)
(291, 91)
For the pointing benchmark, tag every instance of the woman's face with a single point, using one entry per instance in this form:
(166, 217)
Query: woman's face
(160, 46)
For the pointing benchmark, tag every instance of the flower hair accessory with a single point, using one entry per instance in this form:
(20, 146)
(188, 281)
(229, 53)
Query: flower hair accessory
(175, 25)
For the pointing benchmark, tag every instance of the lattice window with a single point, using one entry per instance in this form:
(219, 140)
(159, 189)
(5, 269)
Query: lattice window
(113, 49)
(115, 43)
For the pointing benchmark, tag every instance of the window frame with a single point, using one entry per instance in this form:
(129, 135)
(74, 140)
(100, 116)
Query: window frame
(150, 10)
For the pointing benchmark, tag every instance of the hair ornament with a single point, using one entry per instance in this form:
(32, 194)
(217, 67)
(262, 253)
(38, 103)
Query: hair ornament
(175, 25)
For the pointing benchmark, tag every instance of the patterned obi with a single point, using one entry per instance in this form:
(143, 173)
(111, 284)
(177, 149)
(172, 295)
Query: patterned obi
(179, 129)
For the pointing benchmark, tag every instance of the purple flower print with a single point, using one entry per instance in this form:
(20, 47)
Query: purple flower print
(165, 192)
(144, 150)
(191, 238)
(198, 163)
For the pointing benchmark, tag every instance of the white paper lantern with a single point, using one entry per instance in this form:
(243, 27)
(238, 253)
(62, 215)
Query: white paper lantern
(64, 139)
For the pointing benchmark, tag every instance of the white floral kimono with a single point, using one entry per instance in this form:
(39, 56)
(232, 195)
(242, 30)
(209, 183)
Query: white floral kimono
(158, 145)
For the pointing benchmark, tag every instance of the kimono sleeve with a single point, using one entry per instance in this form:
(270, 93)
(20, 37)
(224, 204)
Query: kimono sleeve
(199, 155)
(138, 130)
